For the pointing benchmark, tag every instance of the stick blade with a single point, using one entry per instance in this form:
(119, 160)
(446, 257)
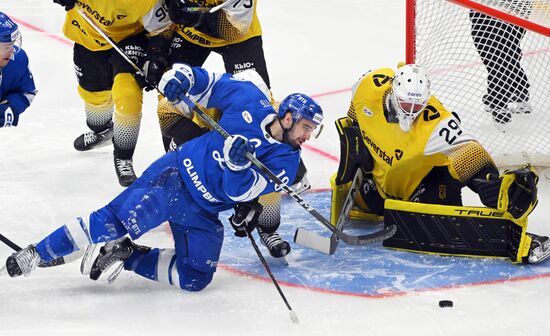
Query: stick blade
(294, 317)
(314, 241)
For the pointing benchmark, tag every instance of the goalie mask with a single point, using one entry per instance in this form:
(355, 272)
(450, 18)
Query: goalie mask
(10, 39)
(410, 94)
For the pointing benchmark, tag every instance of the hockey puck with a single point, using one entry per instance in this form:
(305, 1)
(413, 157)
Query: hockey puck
(445, 303)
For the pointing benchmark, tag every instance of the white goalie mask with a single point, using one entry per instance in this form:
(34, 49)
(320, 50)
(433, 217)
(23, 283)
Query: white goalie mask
(410, 94)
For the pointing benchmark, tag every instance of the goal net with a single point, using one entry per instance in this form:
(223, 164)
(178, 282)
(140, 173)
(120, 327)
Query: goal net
(489, 61)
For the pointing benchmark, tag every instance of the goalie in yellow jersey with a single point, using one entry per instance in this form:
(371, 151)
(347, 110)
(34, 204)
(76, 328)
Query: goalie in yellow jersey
(409, 148)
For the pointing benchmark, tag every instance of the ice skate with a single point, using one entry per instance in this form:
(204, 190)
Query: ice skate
(22, 262)
(277, 246)
(114, 253)
(125, 171)
(90, 140)
(539, 249)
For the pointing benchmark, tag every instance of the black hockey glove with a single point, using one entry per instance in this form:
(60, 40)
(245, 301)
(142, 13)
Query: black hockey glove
(245, 217)
(181, 12)
(153, 69)
(68, 4)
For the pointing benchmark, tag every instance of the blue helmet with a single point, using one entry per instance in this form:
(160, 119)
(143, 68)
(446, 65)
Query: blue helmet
(9, 32)
(301, 106)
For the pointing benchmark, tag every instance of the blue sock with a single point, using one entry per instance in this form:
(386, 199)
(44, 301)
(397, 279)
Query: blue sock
(57, 244)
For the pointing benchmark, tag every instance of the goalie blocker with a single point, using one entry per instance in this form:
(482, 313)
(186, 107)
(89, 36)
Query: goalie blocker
(462, 231)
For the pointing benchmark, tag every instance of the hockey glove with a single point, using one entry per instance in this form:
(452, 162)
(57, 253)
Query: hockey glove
(181, 12)
(353, 152)
(7, 116)
(68, 4)
(235, 149)
(176, 82)
(156, 60)
(246, 217)
(515, 191)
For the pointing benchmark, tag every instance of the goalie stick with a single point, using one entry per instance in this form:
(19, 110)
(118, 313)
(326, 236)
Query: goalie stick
(348, 239)
(328, 245)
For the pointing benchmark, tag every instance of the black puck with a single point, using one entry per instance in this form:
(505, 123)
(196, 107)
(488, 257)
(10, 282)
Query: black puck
(445, 303)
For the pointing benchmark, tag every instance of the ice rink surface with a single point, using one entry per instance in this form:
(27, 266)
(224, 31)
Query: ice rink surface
(319, 48)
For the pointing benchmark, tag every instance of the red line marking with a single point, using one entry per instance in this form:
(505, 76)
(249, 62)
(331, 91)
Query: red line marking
(42, 31)
(321, 152)
(381, 295)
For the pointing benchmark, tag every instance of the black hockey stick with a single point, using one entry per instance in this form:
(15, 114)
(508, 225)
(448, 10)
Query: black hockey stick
(348, 239)
(365, 239)
(8, 242)
(293, 315)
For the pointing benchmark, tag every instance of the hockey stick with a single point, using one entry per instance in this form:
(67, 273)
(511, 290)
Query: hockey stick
(328, 245)
(208, 9)
(293, 315)
(8, 242)
(348, 239)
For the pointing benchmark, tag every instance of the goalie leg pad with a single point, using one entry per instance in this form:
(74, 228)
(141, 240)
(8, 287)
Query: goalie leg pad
(456, 230)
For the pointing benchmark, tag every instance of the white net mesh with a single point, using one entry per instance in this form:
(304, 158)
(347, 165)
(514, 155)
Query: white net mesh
(495, 75)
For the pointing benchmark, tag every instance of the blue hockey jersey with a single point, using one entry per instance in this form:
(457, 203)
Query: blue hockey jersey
(16, 83)
(246, 111)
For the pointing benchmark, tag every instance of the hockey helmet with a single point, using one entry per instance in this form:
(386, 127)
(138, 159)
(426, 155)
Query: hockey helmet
(10, 37)
(302, 106)
(410, 94)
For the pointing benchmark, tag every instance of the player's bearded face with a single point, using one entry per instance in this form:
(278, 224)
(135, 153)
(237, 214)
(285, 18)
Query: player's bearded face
(301, 132)
(6, 52)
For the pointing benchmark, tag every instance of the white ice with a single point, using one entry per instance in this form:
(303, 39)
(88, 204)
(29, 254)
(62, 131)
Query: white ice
(311, 46)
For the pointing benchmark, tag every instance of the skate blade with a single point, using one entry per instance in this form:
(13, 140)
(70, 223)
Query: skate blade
(113, 276)
(91, 252)
(3, 271)
(283, 260)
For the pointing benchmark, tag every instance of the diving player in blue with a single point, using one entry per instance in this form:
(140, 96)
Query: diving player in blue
(190, 186)
(17, 88)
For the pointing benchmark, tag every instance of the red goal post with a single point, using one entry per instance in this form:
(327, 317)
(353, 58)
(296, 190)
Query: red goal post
(489, 61)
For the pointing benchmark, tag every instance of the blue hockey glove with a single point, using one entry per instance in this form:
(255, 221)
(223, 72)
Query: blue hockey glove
(176, 82)
(234, 152)
(245, 217)
(7, 116)
(68, 4)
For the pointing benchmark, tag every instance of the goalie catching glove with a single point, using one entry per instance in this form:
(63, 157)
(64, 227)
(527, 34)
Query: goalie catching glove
(515, 191)
(246, 217)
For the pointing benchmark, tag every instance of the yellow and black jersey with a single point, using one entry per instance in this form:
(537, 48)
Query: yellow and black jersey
(403, 159)
(233, 24)
(118, 19)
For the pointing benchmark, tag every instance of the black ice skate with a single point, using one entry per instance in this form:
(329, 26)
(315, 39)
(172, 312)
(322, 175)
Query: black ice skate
(22, 262)
(114, 252)
(90, 140)
(125, 171)
(277, 246)
(539, 249)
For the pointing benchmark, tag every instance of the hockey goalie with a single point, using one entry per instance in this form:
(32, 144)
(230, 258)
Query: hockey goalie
(413, 159)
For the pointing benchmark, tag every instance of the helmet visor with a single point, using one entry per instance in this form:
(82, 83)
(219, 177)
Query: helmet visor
(411, 108)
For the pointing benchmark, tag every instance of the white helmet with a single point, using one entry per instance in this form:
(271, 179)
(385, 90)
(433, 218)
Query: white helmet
(410, 94)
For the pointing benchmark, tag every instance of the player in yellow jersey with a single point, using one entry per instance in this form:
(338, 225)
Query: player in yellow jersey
(234, 32)
(409, 147)
(106, 83)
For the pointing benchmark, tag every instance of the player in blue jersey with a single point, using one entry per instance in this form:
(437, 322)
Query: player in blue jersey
(17, 88)
(190, 186)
